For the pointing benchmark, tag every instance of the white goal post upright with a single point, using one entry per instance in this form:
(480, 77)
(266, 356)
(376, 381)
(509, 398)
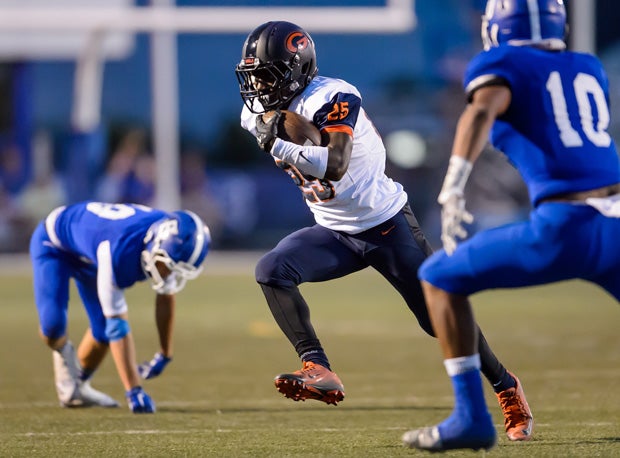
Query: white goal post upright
(164, 21)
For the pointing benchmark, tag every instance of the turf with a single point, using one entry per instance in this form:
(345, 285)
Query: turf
(217, 397)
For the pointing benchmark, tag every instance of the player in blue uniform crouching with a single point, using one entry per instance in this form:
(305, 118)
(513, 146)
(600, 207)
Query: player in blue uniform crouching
(106, 248)
(547, 109)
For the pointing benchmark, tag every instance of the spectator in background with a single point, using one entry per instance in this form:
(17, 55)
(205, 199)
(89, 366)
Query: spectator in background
(45, 190)
(140, 184)
(13, 171)
(119, 173)
(196, 192)
(24, 202)
(14, 228)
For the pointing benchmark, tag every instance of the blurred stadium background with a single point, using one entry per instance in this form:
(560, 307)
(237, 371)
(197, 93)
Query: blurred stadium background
(151, 116)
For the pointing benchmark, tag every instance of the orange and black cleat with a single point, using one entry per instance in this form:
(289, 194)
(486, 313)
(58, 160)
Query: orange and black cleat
(313, 381)
(518, 419)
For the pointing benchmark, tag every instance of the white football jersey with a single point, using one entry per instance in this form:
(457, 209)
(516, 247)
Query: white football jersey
(365, 196)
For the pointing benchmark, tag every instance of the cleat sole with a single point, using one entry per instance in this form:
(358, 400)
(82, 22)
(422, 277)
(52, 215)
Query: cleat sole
(299, 391)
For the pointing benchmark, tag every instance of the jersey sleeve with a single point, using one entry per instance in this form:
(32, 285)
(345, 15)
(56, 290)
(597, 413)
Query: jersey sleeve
(339, 114)
(492, 67)
(110, 296)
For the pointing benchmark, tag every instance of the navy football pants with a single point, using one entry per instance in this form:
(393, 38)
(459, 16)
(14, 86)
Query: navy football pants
(395, 248)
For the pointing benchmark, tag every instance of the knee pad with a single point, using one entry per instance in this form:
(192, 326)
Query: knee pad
(99, 333)
(270, 270)
(53, 332)
(53, 327)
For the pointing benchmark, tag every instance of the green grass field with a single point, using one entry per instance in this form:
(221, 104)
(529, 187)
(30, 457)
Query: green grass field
(217, 397)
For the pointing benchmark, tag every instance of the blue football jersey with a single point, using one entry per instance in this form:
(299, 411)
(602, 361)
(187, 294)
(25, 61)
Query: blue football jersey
(573, 152)
(79, 230)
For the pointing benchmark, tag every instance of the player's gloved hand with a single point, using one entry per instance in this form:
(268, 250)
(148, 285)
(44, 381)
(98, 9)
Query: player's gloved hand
(266, 131)
(154, 367)
(139, 401)
(453, 216)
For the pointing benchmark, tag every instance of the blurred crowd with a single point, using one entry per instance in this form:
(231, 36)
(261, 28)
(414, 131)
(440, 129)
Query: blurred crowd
(246, 201)
(126, 175)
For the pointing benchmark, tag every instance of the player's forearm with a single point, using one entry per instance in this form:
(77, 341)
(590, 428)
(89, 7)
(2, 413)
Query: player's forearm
(164, 318)
(124, 354)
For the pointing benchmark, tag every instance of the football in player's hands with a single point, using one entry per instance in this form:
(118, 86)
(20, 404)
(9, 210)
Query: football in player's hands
(293, 127)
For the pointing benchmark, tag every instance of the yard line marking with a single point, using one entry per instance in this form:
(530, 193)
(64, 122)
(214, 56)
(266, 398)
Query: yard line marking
(237, 430)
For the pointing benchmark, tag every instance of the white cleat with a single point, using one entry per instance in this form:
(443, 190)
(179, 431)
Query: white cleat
(72, 392)
(424, 439)
(87, 396)
(429, 439)
(66, 373)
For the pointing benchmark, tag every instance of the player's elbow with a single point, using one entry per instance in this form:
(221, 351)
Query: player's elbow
(479, 116)
(335, 172)
(483, 113)
(490, 102)
(337, 162)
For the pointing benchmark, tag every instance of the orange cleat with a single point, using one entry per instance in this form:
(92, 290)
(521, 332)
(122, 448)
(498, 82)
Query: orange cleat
(518, 419)
(313, 381)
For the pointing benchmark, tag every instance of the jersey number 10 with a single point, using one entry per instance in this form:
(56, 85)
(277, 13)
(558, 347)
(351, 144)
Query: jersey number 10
(586, 88)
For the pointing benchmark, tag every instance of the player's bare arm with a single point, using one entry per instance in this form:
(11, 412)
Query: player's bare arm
(339, 154)
(164, 318)
(474, 125)
(124, 354)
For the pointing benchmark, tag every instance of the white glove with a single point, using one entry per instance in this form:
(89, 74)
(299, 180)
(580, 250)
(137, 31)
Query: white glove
(453, 215)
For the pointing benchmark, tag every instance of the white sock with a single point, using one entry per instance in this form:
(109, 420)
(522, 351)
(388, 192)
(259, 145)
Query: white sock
(462, 364)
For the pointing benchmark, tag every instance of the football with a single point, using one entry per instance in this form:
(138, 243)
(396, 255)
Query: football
(293, 127)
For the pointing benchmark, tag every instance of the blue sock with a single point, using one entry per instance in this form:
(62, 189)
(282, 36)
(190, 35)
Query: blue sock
(86, 374)
(470, 421)
(468, 392)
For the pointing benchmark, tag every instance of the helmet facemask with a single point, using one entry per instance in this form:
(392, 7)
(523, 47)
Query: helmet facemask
(180, 272)
(164, 238)
(272, 84)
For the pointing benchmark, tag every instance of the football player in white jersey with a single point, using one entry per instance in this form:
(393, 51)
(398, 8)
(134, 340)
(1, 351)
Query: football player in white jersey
(362, 216)
(106, 248)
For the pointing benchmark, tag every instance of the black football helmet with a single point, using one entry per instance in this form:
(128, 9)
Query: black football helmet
(278, 61)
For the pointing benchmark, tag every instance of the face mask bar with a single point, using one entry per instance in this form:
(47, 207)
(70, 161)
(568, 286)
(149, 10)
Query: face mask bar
(261, 83)
(180, 272)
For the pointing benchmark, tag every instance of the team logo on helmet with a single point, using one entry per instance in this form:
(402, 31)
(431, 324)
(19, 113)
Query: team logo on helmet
(296, 41)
